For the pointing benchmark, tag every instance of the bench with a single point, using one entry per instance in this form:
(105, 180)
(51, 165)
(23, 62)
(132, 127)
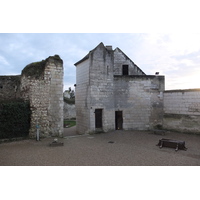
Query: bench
(177, 144)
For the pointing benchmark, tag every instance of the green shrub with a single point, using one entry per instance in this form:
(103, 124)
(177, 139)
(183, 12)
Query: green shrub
(14, 119)
(36, 69)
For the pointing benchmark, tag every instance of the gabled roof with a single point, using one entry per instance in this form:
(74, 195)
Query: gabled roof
(87, 56)
(102, 45)
(129, 59)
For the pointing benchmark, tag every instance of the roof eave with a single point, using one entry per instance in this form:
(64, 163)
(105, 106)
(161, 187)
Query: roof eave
(83, 59)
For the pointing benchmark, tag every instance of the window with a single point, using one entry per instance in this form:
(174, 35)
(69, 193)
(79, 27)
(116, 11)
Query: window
(124, 69)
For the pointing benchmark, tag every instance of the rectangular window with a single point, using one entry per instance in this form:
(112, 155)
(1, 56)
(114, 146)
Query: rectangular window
(124, 69)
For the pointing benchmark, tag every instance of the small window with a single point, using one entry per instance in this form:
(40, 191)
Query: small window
(125, 70)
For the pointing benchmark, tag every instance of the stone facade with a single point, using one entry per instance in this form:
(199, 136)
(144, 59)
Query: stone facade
(182, 110)
(114, 93)
(41, 83)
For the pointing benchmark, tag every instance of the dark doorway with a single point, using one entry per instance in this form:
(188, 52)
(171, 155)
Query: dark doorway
(118, 120)
(125, 70)
(98, 118)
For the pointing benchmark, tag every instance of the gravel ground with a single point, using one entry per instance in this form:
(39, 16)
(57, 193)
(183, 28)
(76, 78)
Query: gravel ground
(129, 148)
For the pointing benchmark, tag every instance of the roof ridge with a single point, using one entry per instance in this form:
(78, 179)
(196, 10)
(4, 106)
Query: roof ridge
(87, 56)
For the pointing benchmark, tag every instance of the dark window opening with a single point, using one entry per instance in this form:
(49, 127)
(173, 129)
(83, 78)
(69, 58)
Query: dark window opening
(125, 70)
(98, 118)
(118, 120)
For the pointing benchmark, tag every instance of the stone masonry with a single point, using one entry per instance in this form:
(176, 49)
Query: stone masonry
(182, 110)
(114, 93)
(41, 83)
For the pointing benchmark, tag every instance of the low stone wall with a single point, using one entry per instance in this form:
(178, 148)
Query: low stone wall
(69, 111)
(182, 110)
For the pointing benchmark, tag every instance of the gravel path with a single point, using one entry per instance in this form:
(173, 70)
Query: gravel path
(129, 148)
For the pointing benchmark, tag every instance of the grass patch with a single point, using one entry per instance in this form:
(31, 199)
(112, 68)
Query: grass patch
(69, 123)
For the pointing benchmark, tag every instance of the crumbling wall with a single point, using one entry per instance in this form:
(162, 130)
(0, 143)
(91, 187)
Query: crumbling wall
(42, 84)
(9, 87)
(182, 110)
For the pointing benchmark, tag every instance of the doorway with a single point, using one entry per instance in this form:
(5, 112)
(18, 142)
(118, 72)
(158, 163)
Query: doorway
(118, 120)
(98, 118)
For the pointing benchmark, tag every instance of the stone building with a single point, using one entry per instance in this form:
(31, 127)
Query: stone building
(113, 93)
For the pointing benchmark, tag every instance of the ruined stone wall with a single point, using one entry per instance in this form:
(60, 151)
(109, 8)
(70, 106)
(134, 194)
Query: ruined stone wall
(182, 110)
(54, 72)
(9, 87)
(141, 101)
(42, 85)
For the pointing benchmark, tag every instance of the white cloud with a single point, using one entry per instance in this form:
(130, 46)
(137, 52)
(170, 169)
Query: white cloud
(173, 55)
(3, 61)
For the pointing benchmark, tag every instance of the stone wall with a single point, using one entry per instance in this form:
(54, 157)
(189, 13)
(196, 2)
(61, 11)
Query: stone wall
(9, 87)
(140, 98)
(41, 83)
(182, 110)
(44, 89)
(121, 59)
(69, 111)
(101, 90)
(82, 100)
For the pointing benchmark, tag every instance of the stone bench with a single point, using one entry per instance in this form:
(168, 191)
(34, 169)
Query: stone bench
(177, 144)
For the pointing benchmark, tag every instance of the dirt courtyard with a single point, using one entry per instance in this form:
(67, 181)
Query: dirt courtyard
(116, 148)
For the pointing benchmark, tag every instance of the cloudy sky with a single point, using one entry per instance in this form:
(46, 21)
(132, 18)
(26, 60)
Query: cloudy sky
(174, 52)
(177, 56)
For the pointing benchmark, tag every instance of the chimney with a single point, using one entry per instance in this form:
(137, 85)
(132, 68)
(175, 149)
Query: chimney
(109, 48)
